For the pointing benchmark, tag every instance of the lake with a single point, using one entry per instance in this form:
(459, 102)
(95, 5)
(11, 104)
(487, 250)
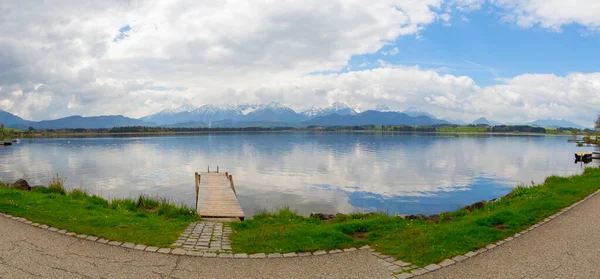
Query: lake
(309, 172)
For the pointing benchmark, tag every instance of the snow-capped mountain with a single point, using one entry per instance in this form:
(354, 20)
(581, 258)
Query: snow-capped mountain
(337, 107)
(382, 108)
(273, 112)
(414, 111)
(187, 113)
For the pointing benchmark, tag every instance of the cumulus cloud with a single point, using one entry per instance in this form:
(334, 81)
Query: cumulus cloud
(102, 57)
(136, 58)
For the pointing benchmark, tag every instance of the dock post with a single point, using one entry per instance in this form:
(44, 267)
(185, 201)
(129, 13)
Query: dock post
(197, 179)
(227, 174)
(217, 168)
(208, 169)
(232, 185)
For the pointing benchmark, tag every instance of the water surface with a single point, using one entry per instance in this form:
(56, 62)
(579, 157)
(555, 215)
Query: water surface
(309, 172)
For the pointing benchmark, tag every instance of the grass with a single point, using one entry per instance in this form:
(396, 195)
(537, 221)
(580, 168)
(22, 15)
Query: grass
(145, 220)
(463, 129)
(418, 241)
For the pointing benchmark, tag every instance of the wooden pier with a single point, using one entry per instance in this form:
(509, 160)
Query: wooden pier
(587, 155)
(216, 196)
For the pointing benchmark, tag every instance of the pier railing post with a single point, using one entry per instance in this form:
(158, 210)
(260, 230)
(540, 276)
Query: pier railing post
(217, 168)
(197, 179)
(208, 169)
(232, 185)
(227, 174)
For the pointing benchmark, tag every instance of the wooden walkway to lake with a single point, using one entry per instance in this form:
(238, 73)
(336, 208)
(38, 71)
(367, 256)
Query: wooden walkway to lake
(216, 196)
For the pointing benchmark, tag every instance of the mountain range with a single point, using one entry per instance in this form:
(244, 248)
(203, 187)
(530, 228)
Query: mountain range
(262, 115)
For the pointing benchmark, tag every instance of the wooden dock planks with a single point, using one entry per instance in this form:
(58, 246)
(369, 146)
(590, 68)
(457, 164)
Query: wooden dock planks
(217, 197)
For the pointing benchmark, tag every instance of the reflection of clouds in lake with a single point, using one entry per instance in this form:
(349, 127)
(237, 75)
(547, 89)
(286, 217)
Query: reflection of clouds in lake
(307, 171)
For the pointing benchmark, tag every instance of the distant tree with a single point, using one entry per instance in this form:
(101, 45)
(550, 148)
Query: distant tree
(31, 129)
(598, 122)
(1, 130)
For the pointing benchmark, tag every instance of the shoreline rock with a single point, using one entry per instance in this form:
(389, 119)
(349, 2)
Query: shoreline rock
(20, 184)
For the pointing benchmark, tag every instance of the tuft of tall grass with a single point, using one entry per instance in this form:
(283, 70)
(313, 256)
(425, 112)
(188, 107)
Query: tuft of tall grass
(57, 185)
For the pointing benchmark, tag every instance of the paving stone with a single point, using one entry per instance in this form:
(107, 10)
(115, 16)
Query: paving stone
(413, 266)
(304, 254)
(151, 249)
(320, 252)
(394, 268)
(376, 254)
(383, 256)
(178, 251)
(257, 256)
(432, 267)
(509, 238)
(500, 242)
(82, 236)
(194, 253)
(227, 247)
(407, 268)
(404, 275)
(226, 256)
(128, 245)
(102, 240)
(177, 245)
(274, 255)
(517, 235)
(471, 254)
(390, 260)
(335, 251)
(92, 238)
(419, 271)
(140, 247)
(240, 256)
(386, 264)
(481, 250)
(53, 229)
(62, 231)
(459, 258)
(209, 255)
(446, 262)
(44, 227)
(164, 250)
(290, 255)
(35, 224)
(401, 263)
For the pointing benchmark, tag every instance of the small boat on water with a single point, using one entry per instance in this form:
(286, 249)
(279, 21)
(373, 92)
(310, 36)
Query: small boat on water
(15, 140)
(6, 143)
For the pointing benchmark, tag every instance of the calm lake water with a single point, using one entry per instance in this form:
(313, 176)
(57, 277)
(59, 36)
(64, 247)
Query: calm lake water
(309, 172)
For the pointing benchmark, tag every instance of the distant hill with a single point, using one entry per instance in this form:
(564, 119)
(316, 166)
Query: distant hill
(93, 122)
(372, 117)
(455, 121)
(12, 121)
(484, 121)
(555, 123)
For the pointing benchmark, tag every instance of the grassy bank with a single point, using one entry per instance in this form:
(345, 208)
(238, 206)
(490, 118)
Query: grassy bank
(145, 220)
(418, 241)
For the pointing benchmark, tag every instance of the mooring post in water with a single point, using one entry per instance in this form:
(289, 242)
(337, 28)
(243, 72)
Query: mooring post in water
(217, 168)
(208, 169)
(227, 174)
(197, 179)
(232, 185)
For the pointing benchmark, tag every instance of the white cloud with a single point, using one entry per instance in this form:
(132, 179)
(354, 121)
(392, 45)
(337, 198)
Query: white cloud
(67, 52)
(61, 58)
(549, 14)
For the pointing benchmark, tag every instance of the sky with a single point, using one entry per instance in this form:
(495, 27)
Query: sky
(512, 61)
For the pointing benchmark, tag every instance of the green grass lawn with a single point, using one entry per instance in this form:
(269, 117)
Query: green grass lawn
(143, 221)
(418, 241)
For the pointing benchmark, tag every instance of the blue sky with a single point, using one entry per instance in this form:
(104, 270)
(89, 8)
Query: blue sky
(480, 45)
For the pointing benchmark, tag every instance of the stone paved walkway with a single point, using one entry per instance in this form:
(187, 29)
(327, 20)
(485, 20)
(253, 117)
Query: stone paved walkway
(205, 236)
(30, 252)
(568, 246)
